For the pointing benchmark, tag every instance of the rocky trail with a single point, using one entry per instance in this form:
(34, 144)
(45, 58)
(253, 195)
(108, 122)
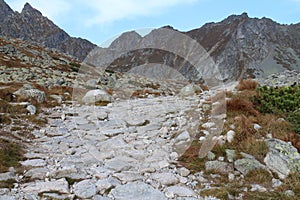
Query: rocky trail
(121, 151)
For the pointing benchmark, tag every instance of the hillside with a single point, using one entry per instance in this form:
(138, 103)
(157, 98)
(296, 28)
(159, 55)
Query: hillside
(30, 25)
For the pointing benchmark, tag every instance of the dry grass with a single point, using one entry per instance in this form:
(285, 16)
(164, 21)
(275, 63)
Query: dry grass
(248, 84)
(260, 176)
(10, 155)
(242, 106)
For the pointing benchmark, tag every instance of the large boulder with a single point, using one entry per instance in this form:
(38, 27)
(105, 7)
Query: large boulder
(245, 165)
(190, 90)
(27, 91)
(96, 96)
(282, 158)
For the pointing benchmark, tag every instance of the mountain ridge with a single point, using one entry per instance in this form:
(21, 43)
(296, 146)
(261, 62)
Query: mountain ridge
(241, 46)
(30, 25)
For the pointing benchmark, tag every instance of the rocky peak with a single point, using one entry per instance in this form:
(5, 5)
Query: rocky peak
(127, 40)
(5, 11)
(232, 18)
(30, 25)
(28, 9)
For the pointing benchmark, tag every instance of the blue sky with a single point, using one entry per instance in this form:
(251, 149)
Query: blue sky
(100, 20)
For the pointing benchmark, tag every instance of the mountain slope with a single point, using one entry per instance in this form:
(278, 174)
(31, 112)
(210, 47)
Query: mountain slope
(244, 46)
(32, 26)
(240, 46)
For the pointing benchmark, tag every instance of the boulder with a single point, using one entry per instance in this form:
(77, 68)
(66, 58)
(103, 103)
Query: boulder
(136, 191)
(96, 96)
(219, 166)
(60, 186)
(248, 164)
(190, 90)
(28, 91)
(282, 158)
(85, 189)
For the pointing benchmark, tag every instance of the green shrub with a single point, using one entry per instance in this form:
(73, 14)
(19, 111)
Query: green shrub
(284, 101)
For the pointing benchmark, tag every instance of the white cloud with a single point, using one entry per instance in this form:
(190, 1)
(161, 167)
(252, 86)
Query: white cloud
(108, 11)
(53, 9)
(98, 12)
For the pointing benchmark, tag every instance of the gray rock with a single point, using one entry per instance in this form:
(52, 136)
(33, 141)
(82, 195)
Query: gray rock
(55, 196)
(7, 197)
(246, 165)
(118, 165)
(218, 166)
(230, 136)
(276, 183)
(165, 178)
(34, 163)
(104, 185)
(179, 191)
(37, 173)
(190, 90)
(258, 188)
(136, 191)
(31, 109)
(211, 155)
(128, 176)
(96, 96)
(61, 186)
(7, 176)
(183, 136)
(184, 172)
(57, 98)
(289, 193)
(85, 189)
(230, 154)
(282, 158)
(28, 91)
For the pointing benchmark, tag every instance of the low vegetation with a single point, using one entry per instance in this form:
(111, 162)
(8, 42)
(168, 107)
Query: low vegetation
(276, 110)
(283, 101)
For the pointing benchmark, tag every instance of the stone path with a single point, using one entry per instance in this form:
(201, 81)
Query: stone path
(125, 150)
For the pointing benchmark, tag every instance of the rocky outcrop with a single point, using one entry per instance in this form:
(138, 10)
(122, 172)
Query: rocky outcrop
(30, 25)
(282, 158)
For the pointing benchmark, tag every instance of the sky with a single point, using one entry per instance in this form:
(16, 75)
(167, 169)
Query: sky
(101, 20)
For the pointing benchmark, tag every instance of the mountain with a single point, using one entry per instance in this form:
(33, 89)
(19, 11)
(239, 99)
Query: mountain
(30, 25)
(243, 46)
(240, 46)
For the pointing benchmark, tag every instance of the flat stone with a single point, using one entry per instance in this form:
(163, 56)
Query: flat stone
(128, 176)
(183, 136)
(7, 197)
(60, 186)
(219, 166)
(104, 185)
(85, 189)
(34, 163)
(117, 165)
(37, 173)
(136, 191)
(7, 176)
(165, 178)
(179, 191)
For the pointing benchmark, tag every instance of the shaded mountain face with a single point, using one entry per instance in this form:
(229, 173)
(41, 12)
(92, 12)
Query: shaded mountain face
(30, 25)
(250, 47)
(240, 46)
